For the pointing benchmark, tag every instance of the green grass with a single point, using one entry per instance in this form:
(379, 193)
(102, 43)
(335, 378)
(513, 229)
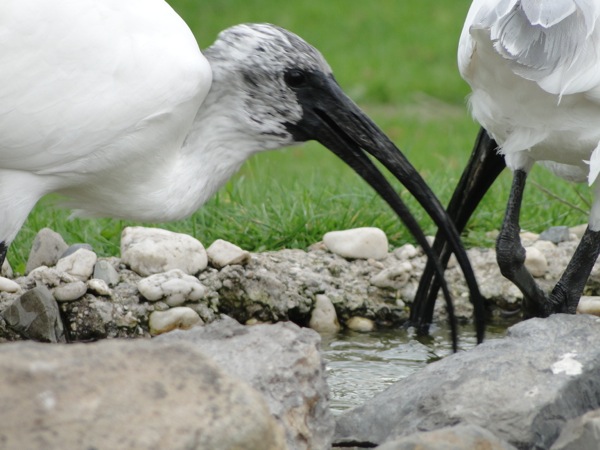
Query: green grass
(396, 60)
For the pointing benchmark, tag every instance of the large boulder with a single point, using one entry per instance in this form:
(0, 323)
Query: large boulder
(523, 388)
(281, 361)
(127, 395)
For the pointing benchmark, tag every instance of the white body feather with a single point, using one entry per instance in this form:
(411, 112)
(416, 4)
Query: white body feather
(534, 69)
(96, 99)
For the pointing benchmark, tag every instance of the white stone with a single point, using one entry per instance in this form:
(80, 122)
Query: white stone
(174, 286)
(589, 305)
(7, 285)
(98, 286)
(361, 324)
(357, 243)
(79, 264)
(50, 276)
(182, 318)
(70, 291)
(149, 251)
(394, 277)
(222, 253)
(535, 262)
(323, 317)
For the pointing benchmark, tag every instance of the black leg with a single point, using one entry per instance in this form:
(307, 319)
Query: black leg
(565, 295)
(3, 251)
(484, 166)
(510, 254)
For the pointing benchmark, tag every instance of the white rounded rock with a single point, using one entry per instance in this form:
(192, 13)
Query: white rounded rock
(361, 324)
(182, 318)
(79, 264)
(535, 262)
(407, 251)
(174, 287)
(357, 243)
(70, 291)
(222, 253)
(98, 286)
(323, 318)
(7, 285)
(149, 251)
(589, 305)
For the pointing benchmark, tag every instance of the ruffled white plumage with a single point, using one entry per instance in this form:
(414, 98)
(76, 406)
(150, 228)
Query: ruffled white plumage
(534, 68)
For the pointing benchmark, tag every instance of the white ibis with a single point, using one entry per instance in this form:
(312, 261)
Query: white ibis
(534, 70)
(111, 104)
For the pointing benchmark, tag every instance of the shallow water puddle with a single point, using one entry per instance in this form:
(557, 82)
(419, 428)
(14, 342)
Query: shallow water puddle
(360, 365)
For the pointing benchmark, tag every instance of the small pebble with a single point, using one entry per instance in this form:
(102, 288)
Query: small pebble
(174, 287)
(535, 262)
(360, 324)
(98, 286)
(150, 251)
(357, 243)
(222, 253)
(182, 318)
(578, 230)
(589, 305)
(323, 318)
(7, 285)
(79, 264)
(103, 270)
(70, 291)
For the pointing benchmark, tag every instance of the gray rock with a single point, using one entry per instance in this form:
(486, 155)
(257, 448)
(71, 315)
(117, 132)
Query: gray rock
(522, 388)
(152, 250)
(556, 234)
(79, 264)
(36, 316)
(47, 247)
(281, 361)
(582, 433)
(460, 437)
(127, 394)
(104, 270)
(73, 248)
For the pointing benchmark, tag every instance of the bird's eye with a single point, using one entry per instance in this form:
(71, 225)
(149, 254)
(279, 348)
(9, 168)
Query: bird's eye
(295, 78)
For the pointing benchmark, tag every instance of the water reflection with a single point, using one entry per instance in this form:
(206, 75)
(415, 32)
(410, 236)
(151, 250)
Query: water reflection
(360, 365)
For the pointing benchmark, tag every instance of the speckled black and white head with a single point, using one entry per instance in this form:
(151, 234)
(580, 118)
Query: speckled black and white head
(261, 63)
(279, 90)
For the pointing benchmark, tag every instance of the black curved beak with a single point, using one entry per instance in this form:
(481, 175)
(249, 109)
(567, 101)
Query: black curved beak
(334, 120)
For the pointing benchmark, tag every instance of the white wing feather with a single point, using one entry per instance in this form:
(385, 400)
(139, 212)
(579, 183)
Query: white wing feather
(101, 74)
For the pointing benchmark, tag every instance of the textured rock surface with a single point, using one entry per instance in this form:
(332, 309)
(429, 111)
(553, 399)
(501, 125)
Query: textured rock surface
(581, 433)
(127, 394)
(461, 437)
(35, 315)
(283, 363)
(522, 388)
